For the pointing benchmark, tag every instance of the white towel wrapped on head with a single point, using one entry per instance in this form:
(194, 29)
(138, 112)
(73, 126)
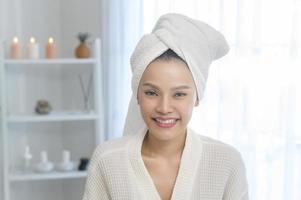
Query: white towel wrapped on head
(194, 41)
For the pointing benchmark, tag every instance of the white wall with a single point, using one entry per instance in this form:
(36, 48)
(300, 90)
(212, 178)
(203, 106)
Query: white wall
(78, 16)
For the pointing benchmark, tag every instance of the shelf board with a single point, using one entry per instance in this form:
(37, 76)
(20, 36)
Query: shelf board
(50, 61)
(53, 117)
(47, 176)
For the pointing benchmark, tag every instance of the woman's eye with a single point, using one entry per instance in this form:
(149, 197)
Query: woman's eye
(150, 93)
(180, 94)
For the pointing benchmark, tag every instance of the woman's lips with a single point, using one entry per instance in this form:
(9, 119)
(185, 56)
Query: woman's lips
(165, 122)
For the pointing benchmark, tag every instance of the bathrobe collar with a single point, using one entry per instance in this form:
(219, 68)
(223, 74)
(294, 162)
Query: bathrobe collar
(191, 156)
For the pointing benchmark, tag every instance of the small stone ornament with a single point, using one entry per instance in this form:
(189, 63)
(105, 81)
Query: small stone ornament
(66, 164)
(44, 166)
(43, 107)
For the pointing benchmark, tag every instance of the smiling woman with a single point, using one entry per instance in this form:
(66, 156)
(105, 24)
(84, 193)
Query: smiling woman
(160, 157)
(166, 96)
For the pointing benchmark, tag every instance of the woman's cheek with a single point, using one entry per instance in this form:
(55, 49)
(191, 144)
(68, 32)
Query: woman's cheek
(186, 109)
(147, 105)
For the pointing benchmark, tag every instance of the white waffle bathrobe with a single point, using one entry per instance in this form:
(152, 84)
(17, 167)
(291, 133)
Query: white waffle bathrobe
(209, 170)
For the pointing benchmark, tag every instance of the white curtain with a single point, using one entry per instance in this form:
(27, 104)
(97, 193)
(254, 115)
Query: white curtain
(252, 95)
(121, 28)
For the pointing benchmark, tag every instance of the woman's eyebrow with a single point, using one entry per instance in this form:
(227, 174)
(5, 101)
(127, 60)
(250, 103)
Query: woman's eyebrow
(181, 87)
(151, 85)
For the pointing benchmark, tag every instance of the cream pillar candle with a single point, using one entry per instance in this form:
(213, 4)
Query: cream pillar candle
(33, 49)
(50, 48)
(15, 49)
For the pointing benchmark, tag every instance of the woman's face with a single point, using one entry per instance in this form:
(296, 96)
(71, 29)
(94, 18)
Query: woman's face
(166, 96)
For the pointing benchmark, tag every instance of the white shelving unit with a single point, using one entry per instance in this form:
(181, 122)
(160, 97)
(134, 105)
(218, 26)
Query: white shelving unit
(74, 129)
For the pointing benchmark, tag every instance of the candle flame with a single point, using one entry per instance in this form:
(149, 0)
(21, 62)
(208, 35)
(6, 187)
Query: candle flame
(32, 40)
(51, 40)
(15, 40)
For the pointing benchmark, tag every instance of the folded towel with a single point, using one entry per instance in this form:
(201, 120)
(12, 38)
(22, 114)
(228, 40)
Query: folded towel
(194, 41)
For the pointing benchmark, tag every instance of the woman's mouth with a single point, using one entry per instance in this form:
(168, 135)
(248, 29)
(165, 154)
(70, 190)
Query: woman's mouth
(165, 123)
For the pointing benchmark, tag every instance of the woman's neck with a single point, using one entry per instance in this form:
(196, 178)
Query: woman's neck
(152, 147)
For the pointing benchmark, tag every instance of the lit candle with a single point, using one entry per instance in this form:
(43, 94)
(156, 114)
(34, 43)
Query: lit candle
(15, 49)
(33, 49)
(50, 48)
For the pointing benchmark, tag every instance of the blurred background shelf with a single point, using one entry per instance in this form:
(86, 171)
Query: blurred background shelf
(10, 62)
(63, 116)
(48, 176)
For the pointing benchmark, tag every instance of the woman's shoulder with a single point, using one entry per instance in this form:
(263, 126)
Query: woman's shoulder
(217, 144)
(112, 146)
(219, 151)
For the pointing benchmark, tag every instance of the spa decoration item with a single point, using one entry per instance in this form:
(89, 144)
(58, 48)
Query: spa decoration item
(44, 166)
(66, 164)
(27, 158)
(51, 50)
(33, 49)
(43, 107)
(83, 50)
(15, 49)
(86, 91)
(83, 165)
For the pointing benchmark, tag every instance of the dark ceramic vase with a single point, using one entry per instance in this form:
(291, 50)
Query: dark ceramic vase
(83, 165)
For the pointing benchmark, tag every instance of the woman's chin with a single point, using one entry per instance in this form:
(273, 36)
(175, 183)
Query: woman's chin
(164, 134)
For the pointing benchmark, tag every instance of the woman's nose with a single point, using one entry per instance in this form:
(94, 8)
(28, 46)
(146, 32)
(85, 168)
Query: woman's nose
(164, 105)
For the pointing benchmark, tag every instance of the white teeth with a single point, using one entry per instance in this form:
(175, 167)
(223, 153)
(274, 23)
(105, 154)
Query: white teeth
(169, 121)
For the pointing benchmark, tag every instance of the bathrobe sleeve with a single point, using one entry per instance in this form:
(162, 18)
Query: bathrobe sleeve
(237, 186)
(95, 185)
